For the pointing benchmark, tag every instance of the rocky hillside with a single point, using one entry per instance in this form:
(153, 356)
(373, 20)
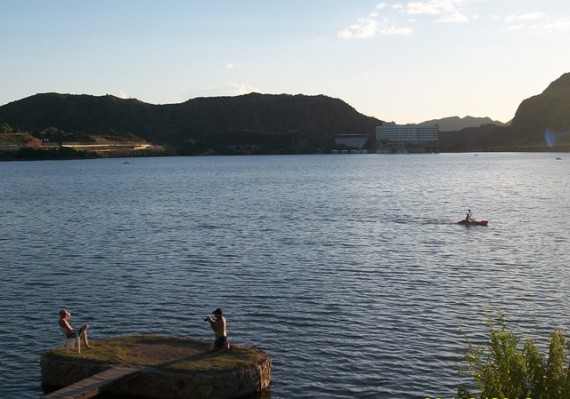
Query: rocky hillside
(541, 123)
(267, 122)
(548, 110)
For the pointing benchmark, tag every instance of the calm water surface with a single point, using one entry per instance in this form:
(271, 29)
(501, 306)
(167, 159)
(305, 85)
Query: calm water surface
(348, 270)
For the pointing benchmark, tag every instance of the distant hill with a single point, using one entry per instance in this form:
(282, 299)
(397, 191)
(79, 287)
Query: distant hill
(455, 123)
(538, 117)
(262, 123)
(548, 110)
(269, 124)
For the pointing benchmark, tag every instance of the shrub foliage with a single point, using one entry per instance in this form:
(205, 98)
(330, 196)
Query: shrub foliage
(506, 369)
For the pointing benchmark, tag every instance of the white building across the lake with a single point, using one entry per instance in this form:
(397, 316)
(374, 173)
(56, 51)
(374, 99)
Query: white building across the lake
(392, 138)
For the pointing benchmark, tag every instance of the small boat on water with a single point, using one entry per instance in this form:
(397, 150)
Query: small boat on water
(473, 222)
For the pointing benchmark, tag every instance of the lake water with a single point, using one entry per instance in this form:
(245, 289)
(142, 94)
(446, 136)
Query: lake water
(347, 269)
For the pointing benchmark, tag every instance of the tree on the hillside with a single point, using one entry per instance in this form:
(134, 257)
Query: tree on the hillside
(6, 128)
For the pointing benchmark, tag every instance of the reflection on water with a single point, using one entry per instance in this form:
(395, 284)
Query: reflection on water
(350, 271)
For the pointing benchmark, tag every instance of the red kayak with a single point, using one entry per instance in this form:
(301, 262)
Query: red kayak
(473, 222)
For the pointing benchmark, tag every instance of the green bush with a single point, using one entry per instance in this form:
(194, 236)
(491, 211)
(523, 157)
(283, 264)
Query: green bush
(502, 369)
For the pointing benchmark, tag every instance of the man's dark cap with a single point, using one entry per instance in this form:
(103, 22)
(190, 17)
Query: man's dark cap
(217, 311)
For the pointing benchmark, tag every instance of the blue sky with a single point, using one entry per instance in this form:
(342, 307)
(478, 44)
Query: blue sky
(402, 61)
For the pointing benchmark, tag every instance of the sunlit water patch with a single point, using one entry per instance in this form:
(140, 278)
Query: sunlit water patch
(350, 271)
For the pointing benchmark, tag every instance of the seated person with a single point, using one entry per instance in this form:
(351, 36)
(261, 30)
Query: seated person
(69, 331)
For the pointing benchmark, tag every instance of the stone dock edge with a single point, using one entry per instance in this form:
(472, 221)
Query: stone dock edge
(60, 369)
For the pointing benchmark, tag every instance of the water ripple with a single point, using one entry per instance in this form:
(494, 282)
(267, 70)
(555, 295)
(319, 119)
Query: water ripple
(349, 271)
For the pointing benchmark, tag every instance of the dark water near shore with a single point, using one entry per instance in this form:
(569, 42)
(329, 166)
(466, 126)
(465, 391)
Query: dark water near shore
(347, 270)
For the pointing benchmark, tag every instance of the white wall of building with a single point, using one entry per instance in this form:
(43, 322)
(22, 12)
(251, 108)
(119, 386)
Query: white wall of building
(390, 132)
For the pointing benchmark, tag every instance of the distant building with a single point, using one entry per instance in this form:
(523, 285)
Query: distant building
(350, 141)
(34, 143)
(393, 138)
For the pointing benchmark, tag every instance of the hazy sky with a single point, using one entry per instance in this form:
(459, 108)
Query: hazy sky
(403, 61)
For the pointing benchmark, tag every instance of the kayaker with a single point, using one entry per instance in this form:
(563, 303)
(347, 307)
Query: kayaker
(468, 216)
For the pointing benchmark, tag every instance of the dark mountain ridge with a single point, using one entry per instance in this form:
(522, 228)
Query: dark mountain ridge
(548, 110)
(269, 123)
(259, 119)
(535, 118)
(456, 123)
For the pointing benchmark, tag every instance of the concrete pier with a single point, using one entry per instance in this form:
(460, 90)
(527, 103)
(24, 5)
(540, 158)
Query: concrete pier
(94, 385)
(157, 367)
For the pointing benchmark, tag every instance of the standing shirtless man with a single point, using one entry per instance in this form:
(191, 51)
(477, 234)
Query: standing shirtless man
(219, 327)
